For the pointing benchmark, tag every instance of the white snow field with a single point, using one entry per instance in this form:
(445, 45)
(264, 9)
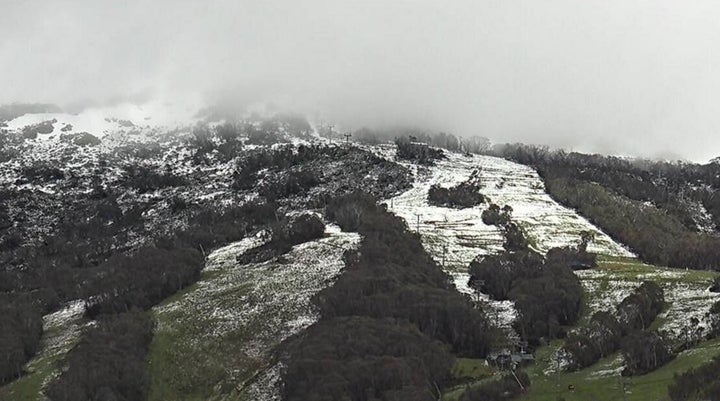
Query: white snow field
(462, 233)
(454, 237)
(216, 340)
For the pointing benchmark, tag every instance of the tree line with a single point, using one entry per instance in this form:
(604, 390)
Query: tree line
(698, 383)
(110, 360)
(391, 322)
(546, 292)
(657, 199)
(606, 333)
(464, 195)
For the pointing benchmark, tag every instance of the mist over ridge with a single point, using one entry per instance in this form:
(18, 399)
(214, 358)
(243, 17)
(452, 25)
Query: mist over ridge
(619, 77)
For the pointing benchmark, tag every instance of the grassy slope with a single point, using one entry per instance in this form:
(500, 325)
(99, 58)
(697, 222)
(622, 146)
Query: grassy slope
(215, 340)
(600, 382)
(60, 335)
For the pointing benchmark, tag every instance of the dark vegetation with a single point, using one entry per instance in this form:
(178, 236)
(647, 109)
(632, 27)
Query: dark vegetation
(505, 388)
(32, 131)
(109, 362)
(285, 234)
(699, 383)
(546, 292)
(442, 140)
(147, 180)
(42, 173)
(389, 322)
(607, 333)
(361, 358)
(661, 199)
(715, 287)
(464, 195)
(713, 316)
(80, 138)
(643, 352)
(112, 283)
(417, 152)
(94, 240)
(228, 139)
(20, 334)
(315, 174)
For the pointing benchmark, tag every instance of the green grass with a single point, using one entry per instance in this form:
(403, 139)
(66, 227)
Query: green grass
(216, 340)
(188, 363)
(29, 387)
(589, 384)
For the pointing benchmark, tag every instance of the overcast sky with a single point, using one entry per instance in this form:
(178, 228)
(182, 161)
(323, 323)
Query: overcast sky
(613, 76)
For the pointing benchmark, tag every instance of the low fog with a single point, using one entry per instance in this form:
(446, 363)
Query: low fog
(624, 77)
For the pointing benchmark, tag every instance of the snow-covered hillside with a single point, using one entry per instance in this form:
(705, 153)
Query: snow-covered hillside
(454, 237)
(105, 121)
(460, 233)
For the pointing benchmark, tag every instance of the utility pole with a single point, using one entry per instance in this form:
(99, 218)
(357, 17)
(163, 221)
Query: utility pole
(347, 137)
(417, 227)
(330, 133)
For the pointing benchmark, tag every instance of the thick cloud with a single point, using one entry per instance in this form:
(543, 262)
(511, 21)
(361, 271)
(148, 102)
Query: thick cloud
(616, 76)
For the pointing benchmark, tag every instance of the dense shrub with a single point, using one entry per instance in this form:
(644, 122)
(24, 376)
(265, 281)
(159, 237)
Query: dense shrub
(147, 180)
(109, 363)
(639, 309)
(494, 216)
(496, 275)
(464, 195)
(546, 292)
(359, 358)
(713, 316)
(576, 258)
(145, 278)
(32, 131)
(504, 388)
(659, 199)
(304, 228)
(394, 277)
(286, 185)
(42, 173)
(81, 139)
(20, 332)
(284, 234)
(644, 351)
(601, 337)
(605, 333)
(698, 383)
(389, 320)
(416, 152)
(348, 212)
(715, 287)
